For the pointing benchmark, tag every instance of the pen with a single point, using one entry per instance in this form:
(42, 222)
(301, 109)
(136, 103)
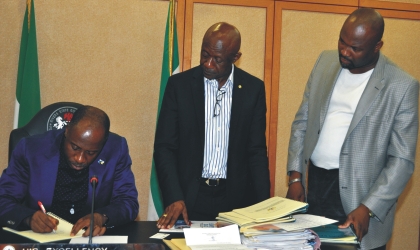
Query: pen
(41, 206)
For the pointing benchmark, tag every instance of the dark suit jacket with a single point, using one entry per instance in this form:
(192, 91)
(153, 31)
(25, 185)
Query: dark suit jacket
(32, 171)
(179, 140)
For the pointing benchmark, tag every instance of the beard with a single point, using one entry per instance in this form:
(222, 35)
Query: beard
(76, 166)
(347, 64)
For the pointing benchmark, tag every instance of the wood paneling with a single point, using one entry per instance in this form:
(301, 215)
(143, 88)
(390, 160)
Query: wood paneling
(331, 2)
(405, 5)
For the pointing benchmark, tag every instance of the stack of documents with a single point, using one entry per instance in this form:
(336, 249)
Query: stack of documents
(273, 210)
(292, 235)
(294, 240)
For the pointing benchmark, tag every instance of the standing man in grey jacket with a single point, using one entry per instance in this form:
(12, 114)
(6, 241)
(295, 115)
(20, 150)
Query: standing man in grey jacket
(354, 136)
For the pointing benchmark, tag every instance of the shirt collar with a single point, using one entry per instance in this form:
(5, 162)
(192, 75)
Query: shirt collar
(228, 83)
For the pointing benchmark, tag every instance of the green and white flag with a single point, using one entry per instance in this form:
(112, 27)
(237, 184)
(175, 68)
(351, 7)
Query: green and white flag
(28, 101)
(170, 66)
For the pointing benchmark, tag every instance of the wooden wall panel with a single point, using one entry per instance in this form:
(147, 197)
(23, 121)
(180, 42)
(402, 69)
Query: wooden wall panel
(180, 24)
(406, 5)
(332, 2)
(11, 14)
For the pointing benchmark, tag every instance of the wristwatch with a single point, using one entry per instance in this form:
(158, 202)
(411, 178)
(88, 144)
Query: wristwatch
(295, 180)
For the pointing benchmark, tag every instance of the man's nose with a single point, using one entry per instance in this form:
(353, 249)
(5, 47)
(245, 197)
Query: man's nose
(209, 63)
(80, 157)
(344, 51)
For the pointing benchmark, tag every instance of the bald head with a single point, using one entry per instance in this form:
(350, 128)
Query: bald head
(226, 33)
(368, 19)
(91, 117)
(219, 50)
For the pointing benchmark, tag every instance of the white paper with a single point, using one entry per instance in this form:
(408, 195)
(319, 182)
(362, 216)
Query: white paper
(104, 239)
(212, 236)
(159, 236)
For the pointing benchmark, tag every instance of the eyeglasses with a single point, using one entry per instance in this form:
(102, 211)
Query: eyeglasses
(217, 106)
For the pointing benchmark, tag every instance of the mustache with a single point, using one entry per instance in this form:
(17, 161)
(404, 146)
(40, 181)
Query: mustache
(206, 70)
(345, 57)
(78, 165)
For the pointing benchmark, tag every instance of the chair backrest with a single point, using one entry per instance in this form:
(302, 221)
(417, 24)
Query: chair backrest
(54, 116)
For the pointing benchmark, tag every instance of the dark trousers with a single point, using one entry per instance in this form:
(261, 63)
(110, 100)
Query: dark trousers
(324, 193)
(210, 201)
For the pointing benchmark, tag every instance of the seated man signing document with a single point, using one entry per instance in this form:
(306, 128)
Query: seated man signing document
(55, 168)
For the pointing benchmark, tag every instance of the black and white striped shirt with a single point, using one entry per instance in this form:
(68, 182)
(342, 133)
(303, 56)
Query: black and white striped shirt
(218, 103)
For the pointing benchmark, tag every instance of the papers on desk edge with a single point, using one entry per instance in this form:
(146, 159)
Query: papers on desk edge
(273, 209)
(62, 233)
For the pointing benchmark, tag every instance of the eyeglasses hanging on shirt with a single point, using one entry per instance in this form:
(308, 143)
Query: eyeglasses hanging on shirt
(217, 105)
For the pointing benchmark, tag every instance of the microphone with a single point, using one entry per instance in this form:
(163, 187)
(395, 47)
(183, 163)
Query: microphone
(93, 182)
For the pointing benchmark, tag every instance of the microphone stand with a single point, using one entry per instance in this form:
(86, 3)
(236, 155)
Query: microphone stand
(93, 181)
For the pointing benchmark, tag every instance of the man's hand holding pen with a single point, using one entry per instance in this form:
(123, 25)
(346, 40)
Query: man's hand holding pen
(41, 223)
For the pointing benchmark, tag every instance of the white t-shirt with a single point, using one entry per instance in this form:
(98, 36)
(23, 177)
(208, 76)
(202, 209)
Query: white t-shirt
(345, 97)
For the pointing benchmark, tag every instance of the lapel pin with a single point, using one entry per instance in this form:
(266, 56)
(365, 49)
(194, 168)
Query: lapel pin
(240, 86)
(101, 162)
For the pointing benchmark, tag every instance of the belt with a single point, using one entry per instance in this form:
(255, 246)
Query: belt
(213, 182)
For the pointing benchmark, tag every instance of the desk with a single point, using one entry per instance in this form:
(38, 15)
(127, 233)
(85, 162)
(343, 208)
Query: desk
(139, 232)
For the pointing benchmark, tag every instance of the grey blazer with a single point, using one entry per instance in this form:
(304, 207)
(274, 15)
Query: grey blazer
(377, 156)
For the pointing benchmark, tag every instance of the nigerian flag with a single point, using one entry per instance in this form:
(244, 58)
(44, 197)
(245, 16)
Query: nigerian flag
(28, 101)
(170, 66)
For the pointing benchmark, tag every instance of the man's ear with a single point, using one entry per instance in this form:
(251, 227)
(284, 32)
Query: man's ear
(378, 46)
(236, 57)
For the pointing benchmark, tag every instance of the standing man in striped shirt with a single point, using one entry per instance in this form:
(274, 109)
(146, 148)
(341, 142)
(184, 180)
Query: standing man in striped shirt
(210, 146)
